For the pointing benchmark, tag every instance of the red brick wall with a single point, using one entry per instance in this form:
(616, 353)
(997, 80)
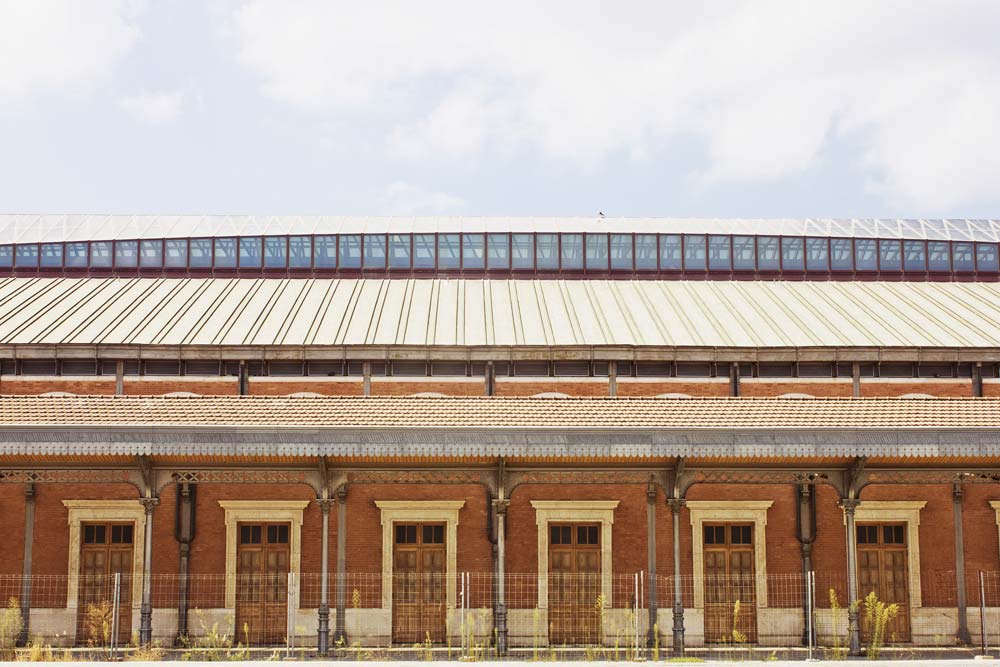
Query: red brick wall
(982, 550)
(691, 388)
(27, 385)
(263, 387)
(598, 387)
(224, 386)
(408, 387)
(818, 389)
(954, 389)
(12, 529)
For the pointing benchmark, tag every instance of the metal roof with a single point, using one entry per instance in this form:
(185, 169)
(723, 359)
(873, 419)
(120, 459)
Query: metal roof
(34, 228)
(497, 313)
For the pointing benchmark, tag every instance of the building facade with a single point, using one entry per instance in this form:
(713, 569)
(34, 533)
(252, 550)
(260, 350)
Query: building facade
(512, 433)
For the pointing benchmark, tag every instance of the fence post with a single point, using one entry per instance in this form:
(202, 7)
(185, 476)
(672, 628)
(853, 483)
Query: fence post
(983, 641)
(116, 598)
(290, 616)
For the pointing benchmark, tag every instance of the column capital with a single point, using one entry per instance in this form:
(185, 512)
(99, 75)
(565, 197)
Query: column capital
(500, 505)
(149, 503)
(675, 504)
(849, 505)
(341, 493)
(325, 504)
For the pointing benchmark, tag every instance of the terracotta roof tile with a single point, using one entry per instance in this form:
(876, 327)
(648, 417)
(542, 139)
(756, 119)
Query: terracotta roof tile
(426, 412)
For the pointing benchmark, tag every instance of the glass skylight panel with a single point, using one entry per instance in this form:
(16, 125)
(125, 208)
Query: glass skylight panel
(645, 252)
(694, 252)
(497, 251)
(325, 252)
(6, 255)
(374, 251)
(621, 252)
(349, 251)
(449, 251)
(938, 256)
(522, 251)
(274, 252)
(547, 251)
(51, 255)
(841, 255)
(957, 230)
(744, 253)
(473, 251)
(986, 257)
(250, 252)
(817, 254)
(888, 229)
(890, 255)
(912, 229)
(914, 255)
(962, 258)
(424, 251)
(865, 228)
(399, 251)
(76, 255)
(670, 252)
(151, 254)
(597, 252)
(792, 254)
(768, 253)
(27, 255)
(718, 253)
(126, 254)
(865, 255)
(175, 253)
(225, 253)
(572, 251)
(201, 253)
(300, 252)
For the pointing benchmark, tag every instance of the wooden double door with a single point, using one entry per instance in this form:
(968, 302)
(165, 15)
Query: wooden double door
(106, 550)
(575, 600)
(883, 568)
(419, 590)
(262, 567)
(730, 583)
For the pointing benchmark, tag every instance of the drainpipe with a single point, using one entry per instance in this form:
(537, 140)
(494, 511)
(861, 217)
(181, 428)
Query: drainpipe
(957, 494)
(29, 531)
(323, 629)
(805, 523)
(184, 524)
(652, 630)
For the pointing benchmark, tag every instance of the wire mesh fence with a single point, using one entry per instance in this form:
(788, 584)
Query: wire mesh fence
(627, 613)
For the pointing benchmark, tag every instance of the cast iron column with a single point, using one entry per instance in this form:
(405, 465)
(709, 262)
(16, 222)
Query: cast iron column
(323, 631)
(963, 622)
(146, 610)
(184, 534)
(29, 531)
(500, 612)
(675, 509)
(340, 633)
(805, 520)
(849, 505)
(652, 630)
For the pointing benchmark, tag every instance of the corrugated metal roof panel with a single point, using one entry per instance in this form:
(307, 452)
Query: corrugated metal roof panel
(33, 228)
(498, 312)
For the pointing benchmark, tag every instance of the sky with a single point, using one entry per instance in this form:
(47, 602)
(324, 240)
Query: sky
(674, 109)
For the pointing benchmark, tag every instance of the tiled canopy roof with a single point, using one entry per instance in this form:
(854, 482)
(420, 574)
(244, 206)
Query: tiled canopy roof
(489, 413)
(497, 313)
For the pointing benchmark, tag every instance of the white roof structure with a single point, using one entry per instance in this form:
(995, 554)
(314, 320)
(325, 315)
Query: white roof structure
(175, 313)
(31, 228)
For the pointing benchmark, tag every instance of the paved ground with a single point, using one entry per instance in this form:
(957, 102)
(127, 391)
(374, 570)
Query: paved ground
(917, 662)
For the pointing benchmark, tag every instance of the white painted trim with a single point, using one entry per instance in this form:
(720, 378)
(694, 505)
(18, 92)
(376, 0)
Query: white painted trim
(267, 511)
(904, 511)
(445, 511)
(83, 511)
(576, 511)
(753, 511)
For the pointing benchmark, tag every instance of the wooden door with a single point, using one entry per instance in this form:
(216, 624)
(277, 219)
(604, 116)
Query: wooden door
(575, 584)
(419, 599)
(730, 578)
(262, 566)
(883, 568)
(105, 550)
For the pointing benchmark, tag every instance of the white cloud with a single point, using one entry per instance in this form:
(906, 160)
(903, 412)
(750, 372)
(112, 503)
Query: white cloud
(60, 45)
(766, 87)
(154, 108)
(405, 199)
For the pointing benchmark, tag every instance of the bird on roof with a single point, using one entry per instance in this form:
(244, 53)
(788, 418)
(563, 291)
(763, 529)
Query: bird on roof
(600, 213)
